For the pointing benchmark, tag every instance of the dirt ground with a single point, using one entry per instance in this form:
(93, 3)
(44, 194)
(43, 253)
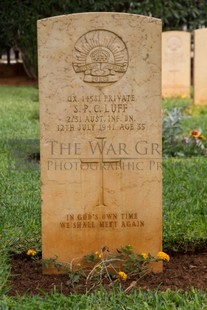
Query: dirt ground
(17, 81)
(183, 272)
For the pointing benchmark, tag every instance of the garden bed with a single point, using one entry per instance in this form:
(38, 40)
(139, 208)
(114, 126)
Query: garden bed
(182, 272)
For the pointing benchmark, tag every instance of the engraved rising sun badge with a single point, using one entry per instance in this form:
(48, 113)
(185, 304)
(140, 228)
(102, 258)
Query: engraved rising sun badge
(100, 57)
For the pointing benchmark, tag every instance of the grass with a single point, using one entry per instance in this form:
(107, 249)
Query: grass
(184, 211)
(184, 203)
(20, 190)
(18, 110)
(115, 300)
(184, 187)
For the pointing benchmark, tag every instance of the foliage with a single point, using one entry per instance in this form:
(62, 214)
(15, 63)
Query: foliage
(18, 22)
(174, 14)
(174, 143)
(194, 144)
(120, 266)
(107, 267)
(171, 130)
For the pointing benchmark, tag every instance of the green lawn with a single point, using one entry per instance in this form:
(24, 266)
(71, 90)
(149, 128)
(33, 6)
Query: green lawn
(115, 300)
(184, 210)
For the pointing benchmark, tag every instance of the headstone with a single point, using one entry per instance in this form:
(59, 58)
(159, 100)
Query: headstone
(200, 66)
(100, 115)
(176, 64)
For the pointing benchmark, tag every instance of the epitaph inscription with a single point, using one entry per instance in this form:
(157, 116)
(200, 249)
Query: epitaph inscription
(108, 220)
(101, 132)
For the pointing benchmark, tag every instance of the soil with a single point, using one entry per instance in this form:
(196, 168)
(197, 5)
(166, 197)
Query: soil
(18, 81)
(183, 272)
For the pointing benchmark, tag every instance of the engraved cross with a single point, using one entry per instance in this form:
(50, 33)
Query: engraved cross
(100, 161)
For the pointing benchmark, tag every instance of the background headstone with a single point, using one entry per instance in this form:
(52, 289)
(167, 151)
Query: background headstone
(175, 64)
(100, 114)
(200, 66)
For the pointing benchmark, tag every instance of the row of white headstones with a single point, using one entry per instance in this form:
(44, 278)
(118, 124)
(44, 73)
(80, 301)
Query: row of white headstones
(183, 57)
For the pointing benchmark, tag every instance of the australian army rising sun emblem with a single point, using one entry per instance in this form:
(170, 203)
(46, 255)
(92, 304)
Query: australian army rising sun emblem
(100, 57)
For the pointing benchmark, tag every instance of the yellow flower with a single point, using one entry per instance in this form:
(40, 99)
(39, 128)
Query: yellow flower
(163, 256)
(201, 137)
(99, 255)
(183, 96)
(122, 275)
(144, 255)
(31, 252)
